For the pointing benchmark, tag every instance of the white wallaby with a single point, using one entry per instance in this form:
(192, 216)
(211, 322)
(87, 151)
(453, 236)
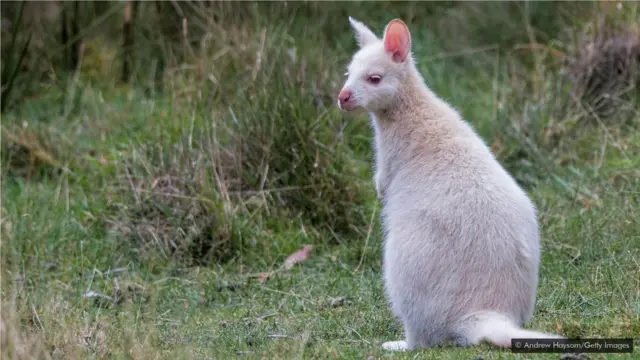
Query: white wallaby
(462, 250)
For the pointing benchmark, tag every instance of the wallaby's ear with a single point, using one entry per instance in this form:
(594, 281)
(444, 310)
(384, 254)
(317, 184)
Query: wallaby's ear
(364, 36)
(397, 40)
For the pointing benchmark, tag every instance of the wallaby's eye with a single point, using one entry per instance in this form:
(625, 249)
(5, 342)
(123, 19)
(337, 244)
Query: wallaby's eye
(374, 79)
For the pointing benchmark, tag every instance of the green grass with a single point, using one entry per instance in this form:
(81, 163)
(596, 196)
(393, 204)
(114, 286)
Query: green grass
(180, 202)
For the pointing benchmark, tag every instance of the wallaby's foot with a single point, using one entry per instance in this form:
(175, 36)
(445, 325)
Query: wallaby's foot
(395, 345)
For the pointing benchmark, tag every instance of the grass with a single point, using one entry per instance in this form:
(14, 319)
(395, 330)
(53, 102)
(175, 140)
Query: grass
(179, 207)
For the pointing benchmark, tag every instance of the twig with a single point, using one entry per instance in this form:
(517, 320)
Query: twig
(97, 295)
(116, 290)
(33, 308)
(172, 278)
(130, 11)
(277, 190)
(537, 46)
(133, 188)
(366, 242)
(256, 68)
(180, 196)
(462, 53)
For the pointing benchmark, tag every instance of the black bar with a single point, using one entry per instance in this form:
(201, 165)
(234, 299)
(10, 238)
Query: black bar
(599, 346)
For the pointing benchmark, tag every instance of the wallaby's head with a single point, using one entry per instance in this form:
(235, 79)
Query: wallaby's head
(379, 69)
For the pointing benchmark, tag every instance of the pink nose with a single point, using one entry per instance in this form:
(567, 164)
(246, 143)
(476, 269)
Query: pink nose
(344, 96)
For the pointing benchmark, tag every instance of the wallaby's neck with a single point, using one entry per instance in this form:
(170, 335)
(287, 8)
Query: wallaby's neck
(418, 113)
(413, 97)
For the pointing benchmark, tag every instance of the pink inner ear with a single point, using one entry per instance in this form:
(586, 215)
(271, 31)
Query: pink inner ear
(397, 40)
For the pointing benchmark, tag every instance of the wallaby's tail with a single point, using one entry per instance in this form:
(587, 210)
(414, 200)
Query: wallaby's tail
(498, 329)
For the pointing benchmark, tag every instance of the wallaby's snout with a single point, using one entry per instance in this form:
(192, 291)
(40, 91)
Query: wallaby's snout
(345, 100)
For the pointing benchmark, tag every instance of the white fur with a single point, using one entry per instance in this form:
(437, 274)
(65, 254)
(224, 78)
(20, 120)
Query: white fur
(461, 252)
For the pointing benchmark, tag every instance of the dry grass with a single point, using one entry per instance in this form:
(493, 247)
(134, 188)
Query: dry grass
(17, 341)
(606, 70)
(28, 152)
(170, 214)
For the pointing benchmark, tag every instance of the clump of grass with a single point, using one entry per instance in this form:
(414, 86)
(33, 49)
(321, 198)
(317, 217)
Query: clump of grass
(17, 342)
(552, 92)
(293, 153)
(28, 153)
(39, 328)
(287, 153)
(292, 147)
(169, 210)
(605, 71)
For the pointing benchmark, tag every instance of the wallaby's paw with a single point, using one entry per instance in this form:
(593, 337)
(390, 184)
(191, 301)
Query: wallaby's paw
(395, 345)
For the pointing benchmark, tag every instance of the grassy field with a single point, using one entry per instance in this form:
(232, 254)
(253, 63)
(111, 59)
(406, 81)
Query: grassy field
(143, 224)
